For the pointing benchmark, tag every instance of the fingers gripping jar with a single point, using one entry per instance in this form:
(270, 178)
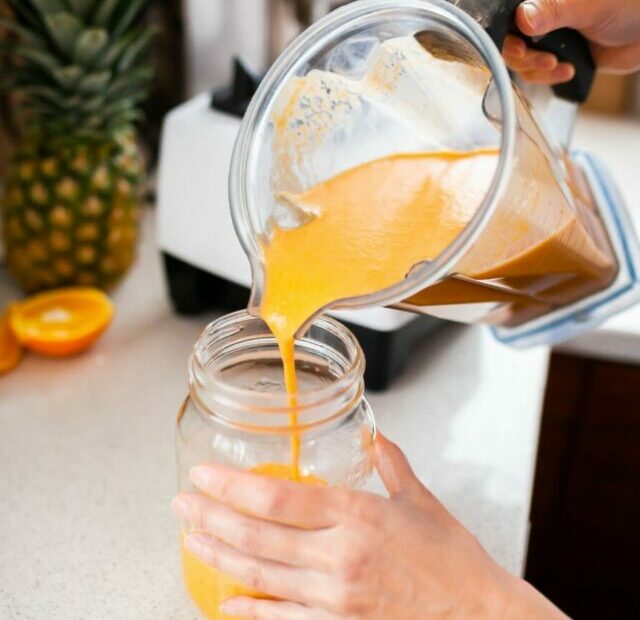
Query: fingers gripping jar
(237, 413)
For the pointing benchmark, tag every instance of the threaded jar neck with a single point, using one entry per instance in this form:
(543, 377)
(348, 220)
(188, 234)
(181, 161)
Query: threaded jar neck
(236, 375)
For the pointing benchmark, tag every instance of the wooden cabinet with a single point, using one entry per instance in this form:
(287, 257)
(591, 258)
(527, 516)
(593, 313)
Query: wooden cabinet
(585, 521)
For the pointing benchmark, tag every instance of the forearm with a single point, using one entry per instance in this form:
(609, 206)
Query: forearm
(526, 603)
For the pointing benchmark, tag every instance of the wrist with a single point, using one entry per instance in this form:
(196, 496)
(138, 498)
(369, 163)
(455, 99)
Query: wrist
(491, 595)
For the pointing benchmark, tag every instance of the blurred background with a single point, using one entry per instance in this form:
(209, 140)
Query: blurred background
(585, 532)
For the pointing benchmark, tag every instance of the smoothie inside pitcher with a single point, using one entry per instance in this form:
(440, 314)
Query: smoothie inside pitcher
(348, 221)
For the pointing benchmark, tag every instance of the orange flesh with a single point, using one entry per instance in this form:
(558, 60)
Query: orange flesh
(61, 322)
(207, 586)
(10, 349)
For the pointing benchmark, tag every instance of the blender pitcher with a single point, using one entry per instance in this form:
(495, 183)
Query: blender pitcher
(549, 252)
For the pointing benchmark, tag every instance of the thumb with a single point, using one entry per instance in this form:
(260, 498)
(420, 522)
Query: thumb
(539, 17)
(395, 471)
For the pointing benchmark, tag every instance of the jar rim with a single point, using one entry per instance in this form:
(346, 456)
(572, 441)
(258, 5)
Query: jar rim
(242, 406)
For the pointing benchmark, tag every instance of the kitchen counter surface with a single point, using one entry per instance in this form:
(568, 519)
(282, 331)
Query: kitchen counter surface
(87, 462)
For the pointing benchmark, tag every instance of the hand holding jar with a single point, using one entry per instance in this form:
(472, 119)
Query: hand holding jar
(328, 553)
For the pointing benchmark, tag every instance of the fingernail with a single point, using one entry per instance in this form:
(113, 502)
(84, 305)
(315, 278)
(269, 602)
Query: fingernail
(230, 607)
(196, 544)
(533, 14)
(179, 506)
(200, 476)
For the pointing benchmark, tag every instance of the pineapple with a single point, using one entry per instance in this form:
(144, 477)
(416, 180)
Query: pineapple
(70, 208)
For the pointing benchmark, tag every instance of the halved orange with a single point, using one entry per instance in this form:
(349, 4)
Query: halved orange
(10, 349)
(61, 322)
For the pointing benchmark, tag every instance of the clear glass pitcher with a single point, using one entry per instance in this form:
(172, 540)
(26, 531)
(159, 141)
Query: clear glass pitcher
(549, 252)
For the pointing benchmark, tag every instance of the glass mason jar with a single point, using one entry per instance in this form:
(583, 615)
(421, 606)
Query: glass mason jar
(237, 413)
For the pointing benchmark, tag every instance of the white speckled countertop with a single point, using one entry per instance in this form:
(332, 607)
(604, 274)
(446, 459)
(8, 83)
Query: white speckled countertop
(87, 462)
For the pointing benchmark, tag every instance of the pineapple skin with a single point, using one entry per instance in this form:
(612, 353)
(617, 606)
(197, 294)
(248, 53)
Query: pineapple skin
(71, 214)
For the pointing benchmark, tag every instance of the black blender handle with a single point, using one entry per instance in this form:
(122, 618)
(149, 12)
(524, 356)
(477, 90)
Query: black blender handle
(569, 46)
(498, 19)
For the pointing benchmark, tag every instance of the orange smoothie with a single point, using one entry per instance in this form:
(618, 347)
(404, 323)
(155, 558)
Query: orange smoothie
(421, 203)
(370, 225)
(343, 251)
(207, 586)
(367, 227)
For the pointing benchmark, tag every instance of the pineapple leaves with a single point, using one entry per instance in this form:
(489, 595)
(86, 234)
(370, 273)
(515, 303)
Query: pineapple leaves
(131, 11)
(94, 121)
(115, 50)
(120, 114)
(32, 74)
(95, 82)
(136, 49)
(129, 116)
(64, 30)
(68, 77)
(27, 15)
(77, 65)
(48, 7)
(89, 44)
(45, 94)
(135, 80)
(94, 104)
(81, 7)
(40, 58)
(104, 12)
(27, 36)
